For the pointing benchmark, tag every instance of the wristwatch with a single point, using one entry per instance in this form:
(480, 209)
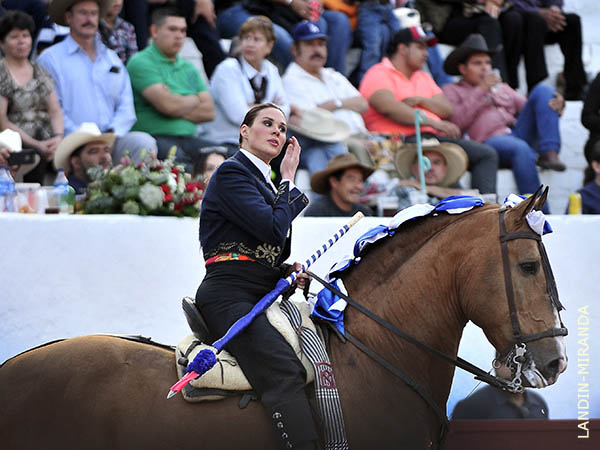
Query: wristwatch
(337, 103)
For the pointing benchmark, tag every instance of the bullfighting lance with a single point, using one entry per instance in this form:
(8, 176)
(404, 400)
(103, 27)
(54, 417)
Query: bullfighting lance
(206, 359)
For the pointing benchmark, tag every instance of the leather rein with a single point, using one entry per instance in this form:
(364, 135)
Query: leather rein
(515, 354)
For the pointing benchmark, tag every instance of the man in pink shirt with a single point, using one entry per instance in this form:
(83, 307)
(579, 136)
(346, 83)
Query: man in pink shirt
(396, 87)
(521, 130)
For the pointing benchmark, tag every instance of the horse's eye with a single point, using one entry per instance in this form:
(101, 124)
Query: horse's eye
(529, 268)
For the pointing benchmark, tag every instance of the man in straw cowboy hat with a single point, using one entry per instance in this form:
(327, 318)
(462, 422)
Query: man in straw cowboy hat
(341, 184)
(397, 86)
(91, 81)
(448, 164)
(85, 148)
(521, 130)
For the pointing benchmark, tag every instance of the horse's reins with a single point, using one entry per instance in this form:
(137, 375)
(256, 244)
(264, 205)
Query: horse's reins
(519, 347)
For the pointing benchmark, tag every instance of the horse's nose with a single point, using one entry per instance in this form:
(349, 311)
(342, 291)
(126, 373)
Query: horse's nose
(554, 368)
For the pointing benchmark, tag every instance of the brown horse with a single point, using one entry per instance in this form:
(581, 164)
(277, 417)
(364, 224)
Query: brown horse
(439, 272)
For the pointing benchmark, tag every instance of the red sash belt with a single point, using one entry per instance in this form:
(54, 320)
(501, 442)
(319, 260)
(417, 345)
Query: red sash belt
(228, 257)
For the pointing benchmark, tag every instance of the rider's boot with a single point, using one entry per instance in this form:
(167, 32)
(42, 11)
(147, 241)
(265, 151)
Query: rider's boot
(294, 425)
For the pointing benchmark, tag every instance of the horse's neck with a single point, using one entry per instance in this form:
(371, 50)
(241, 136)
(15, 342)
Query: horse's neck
(410, 281)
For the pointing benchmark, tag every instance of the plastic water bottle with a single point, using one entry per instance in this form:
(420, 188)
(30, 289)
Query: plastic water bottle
(3, 188)
(61, 191)
(7, 190)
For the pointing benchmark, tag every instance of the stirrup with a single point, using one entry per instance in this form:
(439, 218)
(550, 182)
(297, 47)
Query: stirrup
(195, 319)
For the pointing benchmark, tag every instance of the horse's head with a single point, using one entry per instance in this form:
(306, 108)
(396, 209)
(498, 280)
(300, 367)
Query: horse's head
(519, 308)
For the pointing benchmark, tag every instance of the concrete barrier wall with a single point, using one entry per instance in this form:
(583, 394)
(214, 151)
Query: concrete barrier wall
(64, 276)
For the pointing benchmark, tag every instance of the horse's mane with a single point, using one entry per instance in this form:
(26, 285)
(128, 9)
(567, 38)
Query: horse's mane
(415, 233)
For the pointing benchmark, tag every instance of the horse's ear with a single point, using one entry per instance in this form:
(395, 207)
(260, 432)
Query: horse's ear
(525, 207)
(541, 200)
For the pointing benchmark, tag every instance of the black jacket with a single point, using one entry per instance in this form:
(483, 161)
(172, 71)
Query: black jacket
(241, 214)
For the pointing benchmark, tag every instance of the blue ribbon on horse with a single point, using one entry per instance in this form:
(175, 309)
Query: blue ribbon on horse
(458, 202)
(324, 307)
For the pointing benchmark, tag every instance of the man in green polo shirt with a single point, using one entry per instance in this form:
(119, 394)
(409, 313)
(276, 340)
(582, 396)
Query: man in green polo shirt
(168, 92)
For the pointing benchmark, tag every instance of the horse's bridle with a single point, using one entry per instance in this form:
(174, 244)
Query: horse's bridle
(515, 354)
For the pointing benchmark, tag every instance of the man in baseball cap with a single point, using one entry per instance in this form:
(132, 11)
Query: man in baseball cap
(411, 34)
(397, 87)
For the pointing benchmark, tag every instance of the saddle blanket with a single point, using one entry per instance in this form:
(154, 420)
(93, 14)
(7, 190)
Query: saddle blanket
(226, 377)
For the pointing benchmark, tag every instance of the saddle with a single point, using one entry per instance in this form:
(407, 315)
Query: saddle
(226, 378)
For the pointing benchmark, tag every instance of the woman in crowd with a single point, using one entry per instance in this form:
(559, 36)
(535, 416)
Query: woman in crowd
(590, 116)
(116, 33)
(245, 237)
(28, 100)
(240, 83)
(590, 192)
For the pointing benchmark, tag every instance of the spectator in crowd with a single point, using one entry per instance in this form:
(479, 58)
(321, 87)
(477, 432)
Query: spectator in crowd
(116, 33)
(518, 128)
(590, 192)
(341, 185)
(37, 9)
(448, 164)
(494, 403)
(453, 21)
(309, 85)
(544, 22)
(285, 15)
(82, 150)
(396, 87)
(210, 159)
(28, 101)
(590, 116)
(242, 82)
(91, 81)
(377, 23)
(11, 142)
(202, 28)
(4, 156)
(309, 122)
(136, 12)
(170, 96)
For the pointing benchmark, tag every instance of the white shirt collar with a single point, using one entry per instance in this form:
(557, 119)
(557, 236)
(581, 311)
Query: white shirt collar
(250, 71)
(262, 166)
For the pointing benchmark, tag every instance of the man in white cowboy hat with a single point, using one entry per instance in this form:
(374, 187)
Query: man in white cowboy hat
(340, 184)
(397, 86)
(85, 148)
(317, 119)
(448, 163)
(521, 130)
(91, 81)
(10, 143)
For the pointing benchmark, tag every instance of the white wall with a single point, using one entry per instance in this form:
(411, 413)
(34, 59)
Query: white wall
(64, 276)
